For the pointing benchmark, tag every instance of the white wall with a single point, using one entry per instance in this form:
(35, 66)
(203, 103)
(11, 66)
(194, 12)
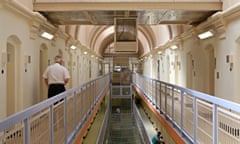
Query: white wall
(225, 42)
(11, 23)
(227, 84)
(18, 22)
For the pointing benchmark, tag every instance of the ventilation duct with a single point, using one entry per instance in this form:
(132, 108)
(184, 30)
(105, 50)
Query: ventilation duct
(125, 37)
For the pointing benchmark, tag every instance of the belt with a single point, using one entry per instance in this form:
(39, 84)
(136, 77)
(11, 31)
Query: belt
(56, 84)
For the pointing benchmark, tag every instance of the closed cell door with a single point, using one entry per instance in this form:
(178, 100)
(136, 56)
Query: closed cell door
(43, 66)
(10, 79)
(211, 71)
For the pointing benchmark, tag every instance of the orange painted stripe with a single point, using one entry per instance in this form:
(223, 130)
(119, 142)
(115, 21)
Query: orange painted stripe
(88, 122)
(168, 128)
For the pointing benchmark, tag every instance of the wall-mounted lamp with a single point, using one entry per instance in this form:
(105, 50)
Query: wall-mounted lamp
(47, 35)
(85, 52)
(229, 59)
(206, 34)
(173, 47)
(73, 47)
(159, 52)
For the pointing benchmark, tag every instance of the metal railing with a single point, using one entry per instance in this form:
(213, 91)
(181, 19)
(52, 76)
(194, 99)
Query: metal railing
(102, 134)
(200, 117)
(140, 124)
(55, 120)
(124, 124)
(121, 91)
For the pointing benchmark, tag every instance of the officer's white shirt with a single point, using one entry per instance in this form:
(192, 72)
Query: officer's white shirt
(56, 74)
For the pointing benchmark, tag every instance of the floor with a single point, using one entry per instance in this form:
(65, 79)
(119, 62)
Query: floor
(91, 136)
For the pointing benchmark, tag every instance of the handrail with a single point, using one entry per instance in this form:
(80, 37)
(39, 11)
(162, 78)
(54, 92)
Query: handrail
(142, 129)
(218, 101)
(59, 122)
(103, 129)
(202, 118)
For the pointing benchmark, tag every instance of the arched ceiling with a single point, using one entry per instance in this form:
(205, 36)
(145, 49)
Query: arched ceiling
(150, 17)
(148, 12)
(103, 37)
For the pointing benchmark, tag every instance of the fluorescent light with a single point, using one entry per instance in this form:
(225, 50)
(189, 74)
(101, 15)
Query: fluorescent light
(205, 35)
(47, 35)
(173, 47)
(73, 47)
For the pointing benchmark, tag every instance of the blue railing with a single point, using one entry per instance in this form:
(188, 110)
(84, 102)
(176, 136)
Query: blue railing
(202, 118)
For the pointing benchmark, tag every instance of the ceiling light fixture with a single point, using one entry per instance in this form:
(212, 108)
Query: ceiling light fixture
(206, 34)
(47, 35)
(159, 52)
(173, 47)
(73, 47)
(85, 52)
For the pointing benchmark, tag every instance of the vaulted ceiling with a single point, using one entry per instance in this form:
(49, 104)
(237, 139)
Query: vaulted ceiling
(80, 12)
(147, 13)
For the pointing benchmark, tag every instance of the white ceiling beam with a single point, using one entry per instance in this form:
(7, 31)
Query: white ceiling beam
(132, 6)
